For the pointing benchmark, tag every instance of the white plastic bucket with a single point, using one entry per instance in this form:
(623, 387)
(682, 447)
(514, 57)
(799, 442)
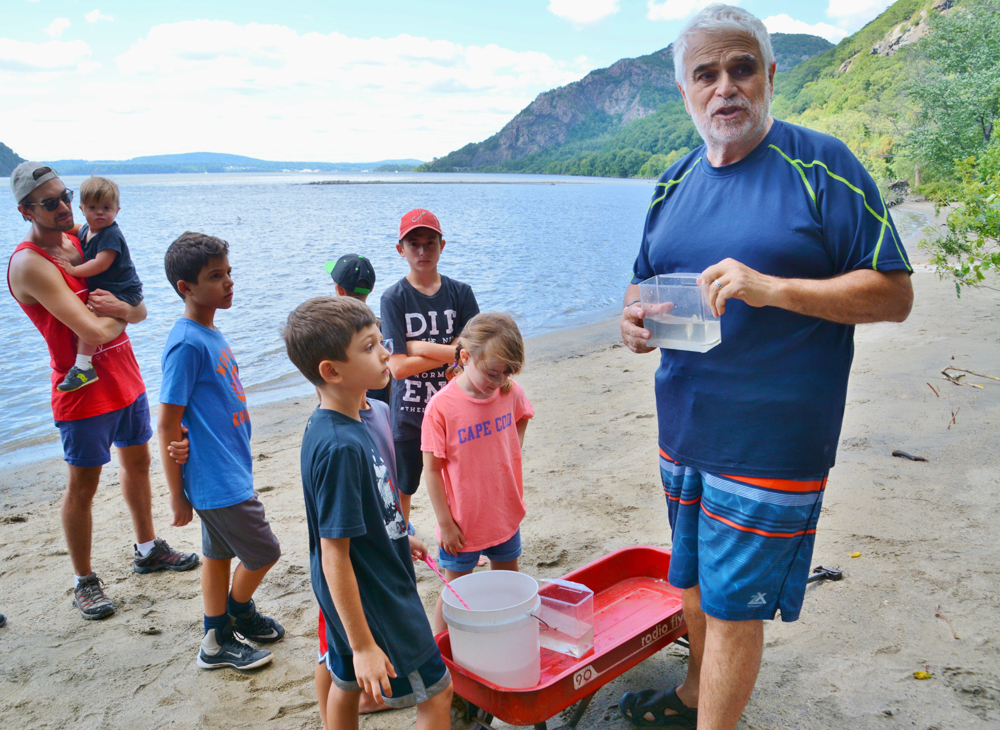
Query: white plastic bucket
(498, 638)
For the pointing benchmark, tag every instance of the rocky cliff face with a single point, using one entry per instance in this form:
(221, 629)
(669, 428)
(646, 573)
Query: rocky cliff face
(903, 34)
(630, 89)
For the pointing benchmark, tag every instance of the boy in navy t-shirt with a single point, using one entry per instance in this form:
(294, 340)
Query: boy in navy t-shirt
(361, 558)
(202, 391)
(107, 265)
(422, 314)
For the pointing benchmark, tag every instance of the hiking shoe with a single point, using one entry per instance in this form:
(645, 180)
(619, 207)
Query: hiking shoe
(221, 648)
(90, 598)
(163, 557)
(77, 378)
(255, 626)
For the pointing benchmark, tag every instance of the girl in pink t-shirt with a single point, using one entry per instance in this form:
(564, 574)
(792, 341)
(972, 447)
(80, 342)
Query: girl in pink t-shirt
(471, 438)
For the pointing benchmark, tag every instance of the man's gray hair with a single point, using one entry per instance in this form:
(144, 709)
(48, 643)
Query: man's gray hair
(718, 17)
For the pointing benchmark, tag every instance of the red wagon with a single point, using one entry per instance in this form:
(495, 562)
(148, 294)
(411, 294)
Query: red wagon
(636, 613)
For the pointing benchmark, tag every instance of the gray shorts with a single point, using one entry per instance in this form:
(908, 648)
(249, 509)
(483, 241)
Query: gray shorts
(240, 531)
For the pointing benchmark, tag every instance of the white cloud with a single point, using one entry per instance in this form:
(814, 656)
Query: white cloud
(94, 15)
(52, 55)
(786, 24)
(583, 12)
(675, 9)
(57, 26)
(853, 14)
(271, 92)
(851, 8)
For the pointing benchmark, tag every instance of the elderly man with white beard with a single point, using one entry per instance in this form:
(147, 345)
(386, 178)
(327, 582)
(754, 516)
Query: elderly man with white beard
(794, 246)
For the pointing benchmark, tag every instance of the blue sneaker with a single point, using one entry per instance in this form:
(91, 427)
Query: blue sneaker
(220, 648)
(256, 627)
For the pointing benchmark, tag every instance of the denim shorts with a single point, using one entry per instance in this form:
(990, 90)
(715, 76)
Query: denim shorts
(429, 679)
(465, 562)
(87, 441)
(747, 542)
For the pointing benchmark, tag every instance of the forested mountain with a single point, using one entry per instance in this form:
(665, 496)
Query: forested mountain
(8, 160)
(629, 120)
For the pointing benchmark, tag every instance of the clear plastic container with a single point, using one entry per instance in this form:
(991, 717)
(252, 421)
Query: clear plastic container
(677, 313)
(566, 617)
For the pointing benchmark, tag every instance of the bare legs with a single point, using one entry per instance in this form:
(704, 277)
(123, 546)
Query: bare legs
(404, 505)
(77, 503)
(342, 710)
(76, 515)
(723, 666)
(215, 584)
(729, 670)
(133, 474)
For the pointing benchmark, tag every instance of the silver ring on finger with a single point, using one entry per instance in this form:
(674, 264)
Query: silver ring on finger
(718, 283)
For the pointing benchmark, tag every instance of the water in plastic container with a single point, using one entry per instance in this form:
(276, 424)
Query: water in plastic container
(566, 617)
(678, 316)
(675, 333)
(566, 635)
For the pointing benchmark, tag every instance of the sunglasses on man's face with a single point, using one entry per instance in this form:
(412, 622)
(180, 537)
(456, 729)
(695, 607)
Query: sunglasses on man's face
(50, 204)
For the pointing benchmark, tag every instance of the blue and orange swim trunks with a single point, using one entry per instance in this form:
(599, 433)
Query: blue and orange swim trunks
(746, 541)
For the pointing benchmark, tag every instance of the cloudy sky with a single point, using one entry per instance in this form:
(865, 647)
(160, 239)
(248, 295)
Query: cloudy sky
(320, 80)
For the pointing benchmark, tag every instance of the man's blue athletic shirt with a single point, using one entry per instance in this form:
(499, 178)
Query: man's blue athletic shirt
(769, 400)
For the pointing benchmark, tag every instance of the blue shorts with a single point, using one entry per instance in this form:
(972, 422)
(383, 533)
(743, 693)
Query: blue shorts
(429, 679)
(465, 562)
(746, 541)
(87, 441)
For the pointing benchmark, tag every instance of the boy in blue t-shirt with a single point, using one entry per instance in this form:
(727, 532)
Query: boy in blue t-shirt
(201, 390)
(360, 556)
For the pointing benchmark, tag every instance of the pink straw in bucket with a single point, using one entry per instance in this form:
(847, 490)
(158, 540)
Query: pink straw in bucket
(430, 561)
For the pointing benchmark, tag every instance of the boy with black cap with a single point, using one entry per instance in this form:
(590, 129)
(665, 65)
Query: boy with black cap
(354, 276)
(422, 314)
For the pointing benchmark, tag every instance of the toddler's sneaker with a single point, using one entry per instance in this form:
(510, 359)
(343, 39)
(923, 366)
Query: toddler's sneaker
(221, 648)
(163, 557)
(255, 626)
(91, 599)
(77, 378)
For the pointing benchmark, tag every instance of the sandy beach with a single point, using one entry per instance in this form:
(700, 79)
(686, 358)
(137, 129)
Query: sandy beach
(924, 594)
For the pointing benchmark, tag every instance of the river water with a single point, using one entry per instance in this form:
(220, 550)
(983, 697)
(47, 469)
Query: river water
(555, 251)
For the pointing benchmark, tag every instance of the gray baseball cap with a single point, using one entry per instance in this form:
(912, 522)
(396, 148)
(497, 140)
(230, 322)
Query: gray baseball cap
(27, 176)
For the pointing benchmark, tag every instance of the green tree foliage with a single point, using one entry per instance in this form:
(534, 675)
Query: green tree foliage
(859, 96)
(968, 250)
(958, 88)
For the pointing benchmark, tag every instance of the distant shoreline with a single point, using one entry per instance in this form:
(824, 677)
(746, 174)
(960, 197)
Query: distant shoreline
(449, 182)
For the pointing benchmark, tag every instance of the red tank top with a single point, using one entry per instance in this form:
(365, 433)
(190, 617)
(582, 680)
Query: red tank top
(119, 380)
